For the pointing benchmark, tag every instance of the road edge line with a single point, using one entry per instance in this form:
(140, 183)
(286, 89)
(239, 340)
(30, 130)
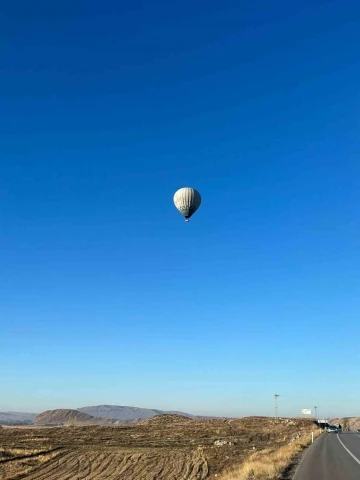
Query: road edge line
(307, 450)
(353, 456)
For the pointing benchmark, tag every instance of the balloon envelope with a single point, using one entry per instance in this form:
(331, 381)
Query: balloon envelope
(187, 200)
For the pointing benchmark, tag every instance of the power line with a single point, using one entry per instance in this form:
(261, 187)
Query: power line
(276, 396)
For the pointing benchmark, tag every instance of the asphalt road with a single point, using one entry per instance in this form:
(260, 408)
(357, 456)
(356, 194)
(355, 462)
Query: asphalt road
(331, 457)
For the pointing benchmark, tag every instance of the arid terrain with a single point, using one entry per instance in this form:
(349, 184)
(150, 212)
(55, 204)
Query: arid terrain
(165, 447)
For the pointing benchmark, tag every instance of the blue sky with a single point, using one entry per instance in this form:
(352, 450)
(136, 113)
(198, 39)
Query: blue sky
(106, 295)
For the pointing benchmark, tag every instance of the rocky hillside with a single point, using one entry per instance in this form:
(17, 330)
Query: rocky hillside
(352, 423)
(16, 418)
(119, 412)
(68, 417)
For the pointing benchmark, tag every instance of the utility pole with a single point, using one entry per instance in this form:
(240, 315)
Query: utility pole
(276, 396)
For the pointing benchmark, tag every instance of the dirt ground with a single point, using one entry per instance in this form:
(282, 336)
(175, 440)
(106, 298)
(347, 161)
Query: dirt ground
(161, 448)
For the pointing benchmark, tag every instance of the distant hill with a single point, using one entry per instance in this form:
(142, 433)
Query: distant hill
(99, 414)
(166, 419)
(118, 412)
(16, 418)
(67, 416)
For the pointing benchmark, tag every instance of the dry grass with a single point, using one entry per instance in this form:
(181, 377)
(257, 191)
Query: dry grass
(72, 422)
(269, 464)
(8, 453)
(15, 462)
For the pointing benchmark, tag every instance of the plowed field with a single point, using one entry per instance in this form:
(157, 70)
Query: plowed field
(113, 465)
(163, 448)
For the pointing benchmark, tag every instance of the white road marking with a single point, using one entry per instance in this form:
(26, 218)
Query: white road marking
(353, 456)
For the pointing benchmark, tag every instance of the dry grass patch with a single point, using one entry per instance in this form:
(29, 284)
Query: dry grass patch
(15, 462)
(269, 464)
(11, 453)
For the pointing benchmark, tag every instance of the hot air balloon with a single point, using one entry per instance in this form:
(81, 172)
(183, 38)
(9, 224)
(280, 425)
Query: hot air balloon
(187, 201)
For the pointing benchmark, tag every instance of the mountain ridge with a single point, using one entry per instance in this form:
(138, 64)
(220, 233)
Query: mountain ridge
(124, 412)
(100, 413)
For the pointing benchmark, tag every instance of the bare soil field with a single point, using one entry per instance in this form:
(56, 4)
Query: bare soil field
(167, 447)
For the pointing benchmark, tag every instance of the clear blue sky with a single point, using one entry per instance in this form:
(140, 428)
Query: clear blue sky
(106, 295)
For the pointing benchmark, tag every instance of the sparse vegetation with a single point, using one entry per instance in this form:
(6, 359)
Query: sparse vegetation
(270, 463)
